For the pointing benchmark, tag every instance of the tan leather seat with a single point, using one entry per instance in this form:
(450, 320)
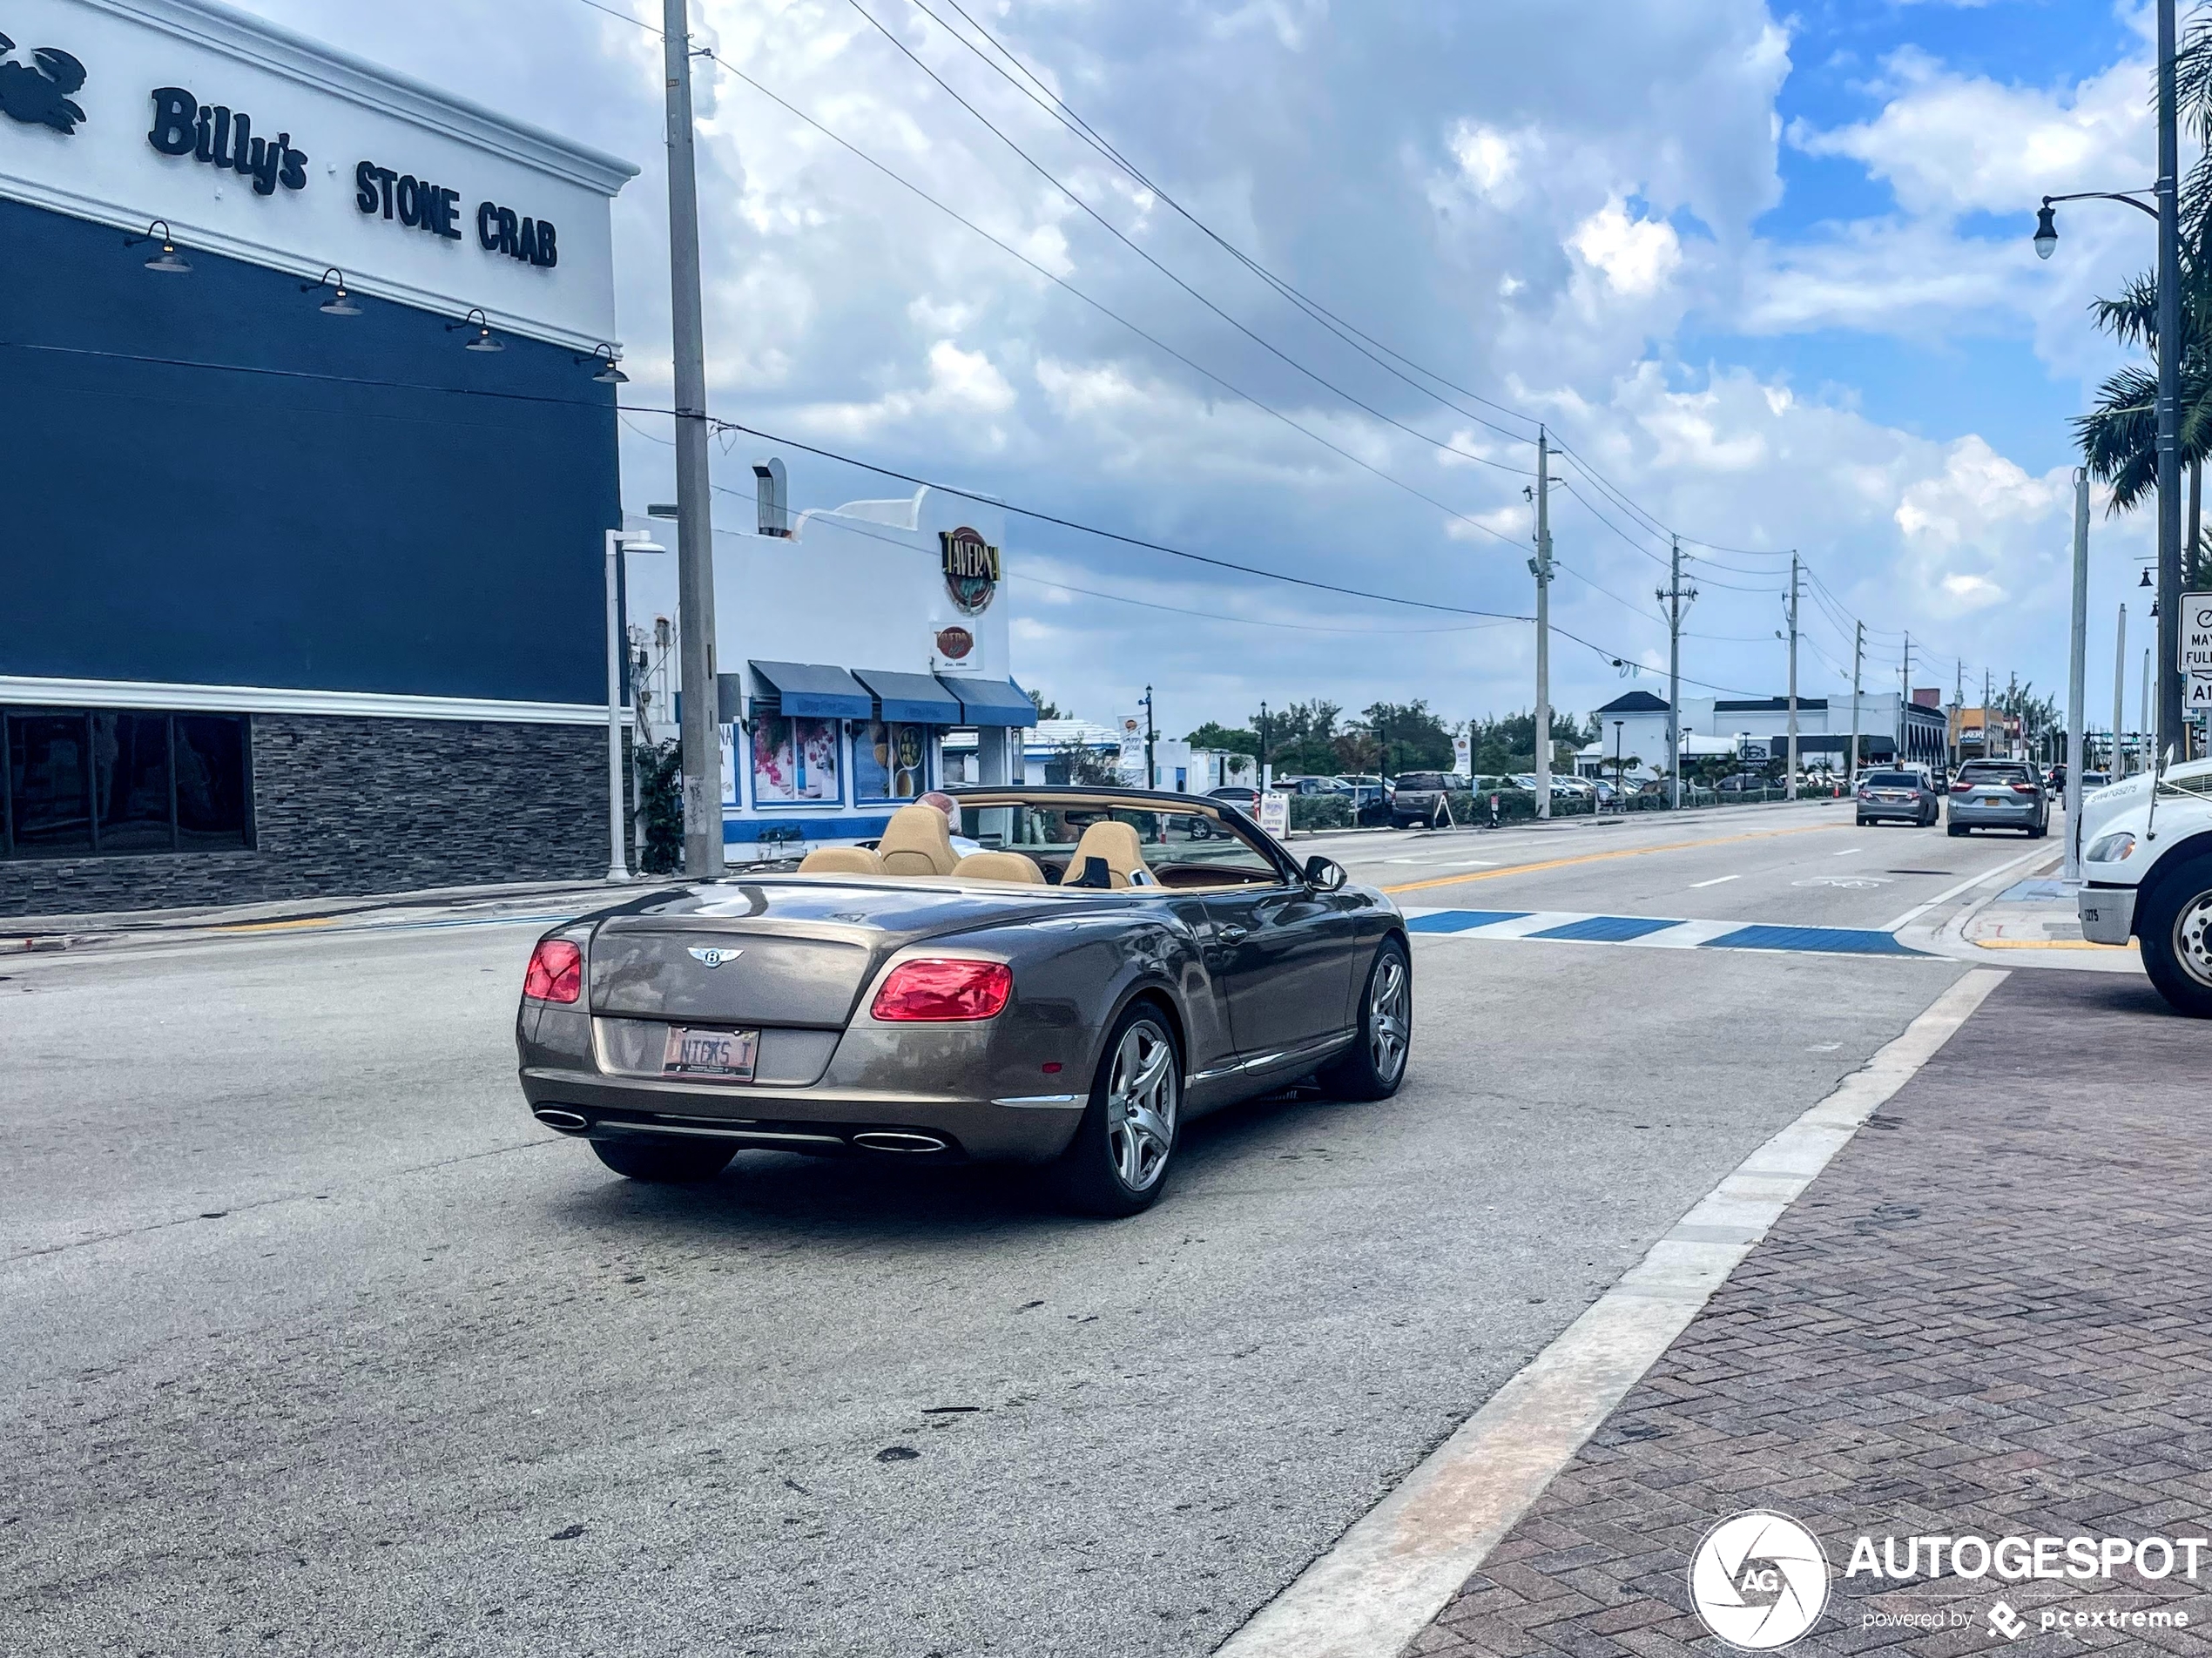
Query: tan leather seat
(1000, 866)
(917, 842)
(840, 860)
(1116, 844)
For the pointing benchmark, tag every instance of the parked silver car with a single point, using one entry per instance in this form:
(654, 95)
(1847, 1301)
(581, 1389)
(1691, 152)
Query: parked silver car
(1886, 796)
(1114, 963)
(2000, 794)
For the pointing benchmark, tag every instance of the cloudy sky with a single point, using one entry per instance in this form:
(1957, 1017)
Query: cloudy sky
(1764, 275)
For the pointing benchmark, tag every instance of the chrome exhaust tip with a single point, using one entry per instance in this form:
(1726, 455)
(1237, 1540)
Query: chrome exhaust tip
(891, 1140)
(566, 1121)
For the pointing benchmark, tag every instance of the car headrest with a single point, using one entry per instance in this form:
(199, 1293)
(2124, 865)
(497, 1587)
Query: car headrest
(1115, 845)
(917, 842)
(840, 860)
(1000, 866)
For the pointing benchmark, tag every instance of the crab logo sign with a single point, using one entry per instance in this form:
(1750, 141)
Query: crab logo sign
(1759, 1580)
(37, 93)
(971, 569)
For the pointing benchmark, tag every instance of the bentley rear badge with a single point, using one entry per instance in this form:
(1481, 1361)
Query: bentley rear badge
(713, 958)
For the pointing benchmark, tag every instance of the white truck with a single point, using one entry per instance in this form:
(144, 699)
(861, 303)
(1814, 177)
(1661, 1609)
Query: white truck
(2147, 869)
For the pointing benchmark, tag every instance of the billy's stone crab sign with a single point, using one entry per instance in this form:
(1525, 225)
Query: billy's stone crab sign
(971, 569)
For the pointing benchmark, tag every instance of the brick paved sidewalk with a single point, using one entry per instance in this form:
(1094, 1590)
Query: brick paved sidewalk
(1988, 1316)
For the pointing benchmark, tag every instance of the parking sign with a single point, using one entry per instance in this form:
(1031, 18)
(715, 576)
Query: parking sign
(2196, 633)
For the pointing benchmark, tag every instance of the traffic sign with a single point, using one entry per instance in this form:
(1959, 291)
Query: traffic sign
(2196, 633)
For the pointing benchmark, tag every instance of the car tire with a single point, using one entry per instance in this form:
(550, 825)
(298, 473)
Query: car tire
(664, 1165)
(2173, 935)
(1374, 1066)
(1955, 828)
(1117, 1163)
(1863, 822)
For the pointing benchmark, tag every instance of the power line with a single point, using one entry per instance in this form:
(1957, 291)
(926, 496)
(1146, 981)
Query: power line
(1106, 310)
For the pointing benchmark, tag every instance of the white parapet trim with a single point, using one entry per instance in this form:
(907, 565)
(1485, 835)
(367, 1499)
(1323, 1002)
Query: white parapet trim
(18, 691)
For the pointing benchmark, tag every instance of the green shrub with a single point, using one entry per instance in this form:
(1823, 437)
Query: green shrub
(1320, 811)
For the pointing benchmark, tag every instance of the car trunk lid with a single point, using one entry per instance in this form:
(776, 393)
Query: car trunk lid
(797, 953)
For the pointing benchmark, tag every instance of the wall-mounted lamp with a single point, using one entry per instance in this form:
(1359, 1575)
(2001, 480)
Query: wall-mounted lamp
(169, 261)
(610, 372)
(485, 339)
(341, 303)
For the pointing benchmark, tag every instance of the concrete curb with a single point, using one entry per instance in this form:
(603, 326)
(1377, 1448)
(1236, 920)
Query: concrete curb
(1387, 1577)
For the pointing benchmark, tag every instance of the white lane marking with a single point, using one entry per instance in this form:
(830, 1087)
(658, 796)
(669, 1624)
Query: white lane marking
(1846, 852)
(1715, 881)
(1524, 925)
(1967, 884)
(1685, 936)
(1395, 1568)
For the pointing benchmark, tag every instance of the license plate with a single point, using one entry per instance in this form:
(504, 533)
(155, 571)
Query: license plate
(726, 1055)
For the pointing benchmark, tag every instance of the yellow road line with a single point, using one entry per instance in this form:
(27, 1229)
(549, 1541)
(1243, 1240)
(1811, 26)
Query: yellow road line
(2041, 944)
(1607, 856)
(271, 926)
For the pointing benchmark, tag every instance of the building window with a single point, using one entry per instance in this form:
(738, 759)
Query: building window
(110, 783)
(890, 761)
(795, 761)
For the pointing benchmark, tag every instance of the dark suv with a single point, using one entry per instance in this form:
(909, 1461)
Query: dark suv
(1420, 798)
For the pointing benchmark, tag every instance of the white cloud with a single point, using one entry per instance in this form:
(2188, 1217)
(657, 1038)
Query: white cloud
(1635, 255)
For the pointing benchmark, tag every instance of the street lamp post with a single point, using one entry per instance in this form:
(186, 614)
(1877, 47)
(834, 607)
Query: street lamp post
(2167, 212)
(1265, 777)
(617, 867)
(1151, 772)
(1620, 772)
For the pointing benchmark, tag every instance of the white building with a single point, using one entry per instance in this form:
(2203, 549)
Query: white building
(849, 644)
(1636, 726)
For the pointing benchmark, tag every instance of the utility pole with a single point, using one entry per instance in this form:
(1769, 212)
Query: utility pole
(2077, 684)
(1958, 737)
(1675, 600)
(1151, 772)
(2011, 702)
(1793, 676)
(2169, 726)
(2119, 690)
(1857, 663)
(1904, 704)
(1541, 567)
(1265, 776)
(2147, 732)
(694, 516)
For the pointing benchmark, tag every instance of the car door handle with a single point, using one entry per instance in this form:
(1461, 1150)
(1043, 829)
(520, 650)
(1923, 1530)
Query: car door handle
(1233, 934)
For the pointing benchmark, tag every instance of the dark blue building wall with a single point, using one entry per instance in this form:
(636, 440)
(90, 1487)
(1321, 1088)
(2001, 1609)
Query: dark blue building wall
(166, 521)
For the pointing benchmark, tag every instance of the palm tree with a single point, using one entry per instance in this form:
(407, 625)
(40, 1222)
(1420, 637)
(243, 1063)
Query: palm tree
(2118, 436)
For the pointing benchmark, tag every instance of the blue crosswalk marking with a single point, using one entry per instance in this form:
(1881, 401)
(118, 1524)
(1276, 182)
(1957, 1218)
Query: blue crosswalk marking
(1655, 931)
(1852, 941)
(1461, 920)
(1606, 929)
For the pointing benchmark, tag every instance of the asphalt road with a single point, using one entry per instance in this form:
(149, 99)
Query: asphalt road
(315, 1342)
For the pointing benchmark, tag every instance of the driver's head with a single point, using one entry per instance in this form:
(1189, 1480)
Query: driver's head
(944, 803)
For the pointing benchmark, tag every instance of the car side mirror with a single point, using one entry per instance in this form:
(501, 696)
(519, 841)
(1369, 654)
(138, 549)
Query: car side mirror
(1325, 874)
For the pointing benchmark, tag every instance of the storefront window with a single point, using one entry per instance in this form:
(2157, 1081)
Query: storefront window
(794, 762)
(81, 783)
(890, 761)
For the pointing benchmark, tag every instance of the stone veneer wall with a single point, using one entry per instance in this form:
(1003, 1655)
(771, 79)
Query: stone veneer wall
(344, 805)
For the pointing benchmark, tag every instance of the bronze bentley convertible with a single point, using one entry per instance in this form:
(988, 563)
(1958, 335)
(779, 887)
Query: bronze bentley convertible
(1110, 964)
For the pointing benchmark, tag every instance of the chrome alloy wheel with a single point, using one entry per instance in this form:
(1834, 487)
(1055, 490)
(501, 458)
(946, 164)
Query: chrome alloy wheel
(2193, 938)
(1389, 1018)
(1141, 1094)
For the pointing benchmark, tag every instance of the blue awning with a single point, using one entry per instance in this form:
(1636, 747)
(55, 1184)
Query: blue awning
(810, 688)
(992, 702)
(914, 697)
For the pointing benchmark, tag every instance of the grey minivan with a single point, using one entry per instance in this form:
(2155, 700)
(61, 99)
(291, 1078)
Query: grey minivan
(2000, 794)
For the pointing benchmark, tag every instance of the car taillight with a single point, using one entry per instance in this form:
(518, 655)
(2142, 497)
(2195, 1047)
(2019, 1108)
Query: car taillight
(1960, 788)
(555, 973)
(2023, 788)
(943, 990)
